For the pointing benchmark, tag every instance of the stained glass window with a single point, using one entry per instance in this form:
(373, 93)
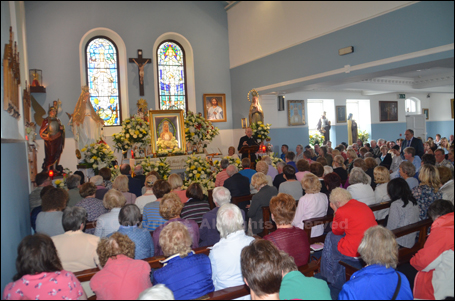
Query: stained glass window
(171, 76)
(103, 80)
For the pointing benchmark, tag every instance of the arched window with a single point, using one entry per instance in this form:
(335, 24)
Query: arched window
(171, 74)
(412, 106)
(101, 57)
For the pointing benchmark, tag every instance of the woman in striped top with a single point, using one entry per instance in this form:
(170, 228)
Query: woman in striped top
(195, 207)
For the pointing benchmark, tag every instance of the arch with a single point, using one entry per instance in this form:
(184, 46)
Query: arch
(413, 106)
(122, 57)
(190, 79)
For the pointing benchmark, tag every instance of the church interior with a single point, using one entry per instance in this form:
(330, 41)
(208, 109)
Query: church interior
(310, 56)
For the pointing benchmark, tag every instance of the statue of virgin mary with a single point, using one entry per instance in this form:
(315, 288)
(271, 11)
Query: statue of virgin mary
(86, 123)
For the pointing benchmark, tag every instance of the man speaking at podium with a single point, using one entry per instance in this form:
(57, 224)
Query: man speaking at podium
(247, 140)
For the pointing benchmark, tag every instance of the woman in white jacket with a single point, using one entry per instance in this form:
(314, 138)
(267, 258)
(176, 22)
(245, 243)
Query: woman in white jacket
(359, 187)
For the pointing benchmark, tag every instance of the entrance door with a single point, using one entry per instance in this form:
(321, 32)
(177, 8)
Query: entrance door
(418, 124)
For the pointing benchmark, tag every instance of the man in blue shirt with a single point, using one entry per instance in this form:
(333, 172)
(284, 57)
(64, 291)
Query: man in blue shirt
(289, 159)
(284, 151)
(247, 171)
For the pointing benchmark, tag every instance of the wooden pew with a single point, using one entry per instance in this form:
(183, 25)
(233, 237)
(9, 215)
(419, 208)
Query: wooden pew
(154, 263)
(210, 199)
(239, 199)
(90, 225)
(404, 254)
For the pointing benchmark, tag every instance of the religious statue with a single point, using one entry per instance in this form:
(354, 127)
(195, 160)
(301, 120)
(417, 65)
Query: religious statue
(53, 134)
(141, 71)
(31, 135)
(215, 111)
(352, 130)
(166, 140)
(142, 109)
(256, 114)
(86, 123)
(57, 104)
(324, 126)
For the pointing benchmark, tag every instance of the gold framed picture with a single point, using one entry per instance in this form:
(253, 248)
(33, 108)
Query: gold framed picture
(426, 112)
(296, 112)
(341, 114)
(215, 107)
(167, 129)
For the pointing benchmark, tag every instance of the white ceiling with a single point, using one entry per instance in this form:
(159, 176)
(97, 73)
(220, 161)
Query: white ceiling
(433, 77)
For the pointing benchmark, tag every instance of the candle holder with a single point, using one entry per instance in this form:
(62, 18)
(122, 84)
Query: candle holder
(37, 80)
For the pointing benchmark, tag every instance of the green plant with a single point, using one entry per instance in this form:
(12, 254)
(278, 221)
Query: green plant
(363, 135)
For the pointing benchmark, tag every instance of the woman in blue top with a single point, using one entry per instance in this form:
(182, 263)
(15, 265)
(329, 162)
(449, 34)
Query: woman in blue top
(378, 280)
(129, 219)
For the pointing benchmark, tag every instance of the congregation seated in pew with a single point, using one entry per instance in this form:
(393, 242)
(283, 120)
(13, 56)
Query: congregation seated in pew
(94, 207)
(196, 206)
(259, 200)
(49, 220)
(147, 196)
(151, 217)
(107, 223)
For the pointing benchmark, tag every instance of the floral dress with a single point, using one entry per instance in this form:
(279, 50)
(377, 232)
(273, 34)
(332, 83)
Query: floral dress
(425, 196)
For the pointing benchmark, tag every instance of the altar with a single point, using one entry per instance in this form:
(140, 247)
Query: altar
(175, 162)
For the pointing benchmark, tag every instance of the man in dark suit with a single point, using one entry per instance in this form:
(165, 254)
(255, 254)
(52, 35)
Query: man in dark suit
(134, 184)
(411, 141)
(237, 184)
(247, 140)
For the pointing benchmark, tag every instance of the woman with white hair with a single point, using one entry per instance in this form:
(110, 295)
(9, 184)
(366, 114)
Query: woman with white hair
(359, 187)
(157, 292)
(225, 255)
(351, 219)
(259, 200)
(378, 280)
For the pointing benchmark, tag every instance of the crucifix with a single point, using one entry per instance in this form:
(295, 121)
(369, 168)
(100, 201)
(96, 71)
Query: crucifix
(140, 62)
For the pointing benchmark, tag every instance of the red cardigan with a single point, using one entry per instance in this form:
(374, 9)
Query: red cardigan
(353, 218)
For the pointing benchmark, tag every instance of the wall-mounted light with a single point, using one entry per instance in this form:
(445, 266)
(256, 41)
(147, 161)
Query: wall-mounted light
(346, 50)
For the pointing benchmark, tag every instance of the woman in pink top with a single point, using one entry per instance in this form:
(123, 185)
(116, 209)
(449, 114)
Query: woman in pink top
(40, 274)
(122, 277)
(303, 167)
(121, 184)
(176, 183)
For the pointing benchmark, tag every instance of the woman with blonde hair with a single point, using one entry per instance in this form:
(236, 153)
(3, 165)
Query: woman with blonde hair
(339, 168)
(386, 157)
(378, 280)
(259, 200)
(148, 196)
(107, 223)
(352, 155)
(313, 204)
(116, 255)
(428, 190)
(381, 178)
(121, 184)
(176, 187)
(444, 145)
(186, 274)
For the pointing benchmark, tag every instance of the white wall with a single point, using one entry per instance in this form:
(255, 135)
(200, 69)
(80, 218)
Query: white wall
(260, 28)
(439, 105)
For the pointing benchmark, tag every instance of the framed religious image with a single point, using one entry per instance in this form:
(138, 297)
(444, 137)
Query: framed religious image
(215, 107)
(167, 130)
(426, 113)
(296, 112)
(388, 111)
(341, 114)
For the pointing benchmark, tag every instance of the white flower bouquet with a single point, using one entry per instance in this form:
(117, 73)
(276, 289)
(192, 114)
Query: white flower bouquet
(198, 170)
(260, 131)
(162, 167)
(237, 162)
(198, 129)
(97, 155)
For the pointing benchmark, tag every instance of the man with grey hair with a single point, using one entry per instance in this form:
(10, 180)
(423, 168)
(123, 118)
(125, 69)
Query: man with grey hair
(279, 178)
(237, 184)
(272, 171)
(225, 255)
(73, 182)
(375, 149)
(208, 233)
(76, 249)
(222, 176)
(298, 152)
(411, 141)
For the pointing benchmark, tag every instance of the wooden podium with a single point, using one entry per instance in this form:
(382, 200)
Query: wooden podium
(249, 149)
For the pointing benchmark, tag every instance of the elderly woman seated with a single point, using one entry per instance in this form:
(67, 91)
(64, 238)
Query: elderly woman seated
(40, 272)
(446, 177)
(378, 280)
(176, 183)
(263, 167)
(359, 187)
(381, 178)
(121, 184)
(170, 209)
(288, 238)
(313, 204)
(428, 190)
(49, 220)
(303, 168)
(259, 200)
(129, 219)
(92, 205)
(108, 222)
(291, 186)
(186, 274)
(196, 206)
(225, 255)
(352, 218)
(151, 218)
(147, 196)
(407, 171)
(73, 183)
(121, 277)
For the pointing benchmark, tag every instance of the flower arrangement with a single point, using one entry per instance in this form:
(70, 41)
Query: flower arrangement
(198, 170)
(275, 160)
(316, 139)
(161, 166)
(198, 129)
(260, 131)
(134, 130)
(363, 135)
(60, 183)
(237, 162)
(97, 155)
(206, 185)
(115, 172)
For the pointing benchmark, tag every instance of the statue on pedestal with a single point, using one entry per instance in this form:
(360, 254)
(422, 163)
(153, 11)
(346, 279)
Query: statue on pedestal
(352, 130)
(86, 123)
(255, 114)
(324, 127)
(53, 134)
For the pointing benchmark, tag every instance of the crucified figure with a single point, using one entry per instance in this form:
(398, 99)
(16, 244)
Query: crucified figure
(141, 71)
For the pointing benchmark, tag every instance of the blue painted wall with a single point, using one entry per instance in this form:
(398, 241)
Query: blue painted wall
(416, 27)
(290, 136)
(54, 30)
(388, 131)
(15, 205)
(445, 128)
